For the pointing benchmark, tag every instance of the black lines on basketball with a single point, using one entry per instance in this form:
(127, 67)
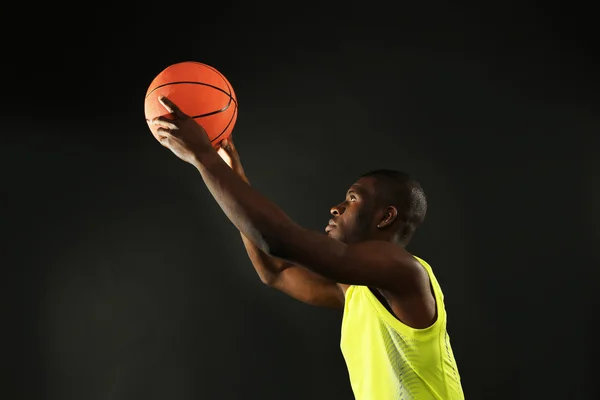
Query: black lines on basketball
(233, 114)
(191, 83)
(218, 73)
(231, 100)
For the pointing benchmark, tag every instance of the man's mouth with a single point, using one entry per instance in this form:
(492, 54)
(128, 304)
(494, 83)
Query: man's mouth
(330, 226)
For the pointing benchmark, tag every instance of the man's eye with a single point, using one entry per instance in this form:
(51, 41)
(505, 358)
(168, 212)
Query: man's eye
(352, 198)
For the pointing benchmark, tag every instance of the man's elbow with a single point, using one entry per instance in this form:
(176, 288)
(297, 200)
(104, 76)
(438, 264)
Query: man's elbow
(269, 279)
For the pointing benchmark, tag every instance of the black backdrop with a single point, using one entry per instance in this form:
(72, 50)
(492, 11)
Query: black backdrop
(123, 279)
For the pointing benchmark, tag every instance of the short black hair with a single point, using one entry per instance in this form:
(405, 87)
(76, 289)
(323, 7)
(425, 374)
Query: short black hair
(398, 189)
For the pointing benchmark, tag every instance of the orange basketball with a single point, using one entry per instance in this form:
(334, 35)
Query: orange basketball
(201, 92)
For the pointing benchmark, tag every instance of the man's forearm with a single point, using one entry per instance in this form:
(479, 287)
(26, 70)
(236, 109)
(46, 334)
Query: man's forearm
(255, 216)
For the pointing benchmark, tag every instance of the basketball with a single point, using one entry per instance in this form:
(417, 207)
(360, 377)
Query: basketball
(201, 92)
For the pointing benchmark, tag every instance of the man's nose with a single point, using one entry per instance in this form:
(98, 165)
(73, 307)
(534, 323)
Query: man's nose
(337, 210)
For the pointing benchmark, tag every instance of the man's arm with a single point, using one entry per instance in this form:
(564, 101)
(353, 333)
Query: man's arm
(379, 264)
(295, 281)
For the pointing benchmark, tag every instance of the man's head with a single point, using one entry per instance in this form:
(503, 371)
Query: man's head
(381, 205)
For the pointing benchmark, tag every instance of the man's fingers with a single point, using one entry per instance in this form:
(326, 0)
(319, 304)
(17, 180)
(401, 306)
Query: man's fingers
(171, 107)
(168, 104)
(225, 156)
(228, 145)
(163, 140)
(163, 134)
(164, 122)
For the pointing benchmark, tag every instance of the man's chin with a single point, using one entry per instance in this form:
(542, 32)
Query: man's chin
(333, 235)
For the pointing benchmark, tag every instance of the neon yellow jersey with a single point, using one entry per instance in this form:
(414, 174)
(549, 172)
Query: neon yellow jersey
(388, 360)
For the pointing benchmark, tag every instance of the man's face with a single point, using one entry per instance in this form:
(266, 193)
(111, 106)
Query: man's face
(352, 218)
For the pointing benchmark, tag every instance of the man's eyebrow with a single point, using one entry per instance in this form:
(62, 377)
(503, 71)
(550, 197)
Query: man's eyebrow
(356, 190)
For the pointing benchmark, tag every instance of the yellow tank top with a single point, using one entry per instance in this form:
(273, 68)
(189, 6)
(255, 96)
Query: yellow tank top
(388, 360)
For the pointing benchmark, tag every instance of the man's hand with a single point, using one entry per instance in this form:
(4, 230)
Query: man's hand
(229, 154)
(180, 133)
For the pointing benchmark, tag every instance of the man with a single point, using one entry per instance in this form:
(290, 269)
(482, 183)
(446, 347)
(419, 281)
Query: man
(394, 337)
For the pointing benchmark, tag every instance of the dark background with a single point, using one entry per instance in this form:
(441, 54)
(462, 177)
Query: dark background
(123, 279)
